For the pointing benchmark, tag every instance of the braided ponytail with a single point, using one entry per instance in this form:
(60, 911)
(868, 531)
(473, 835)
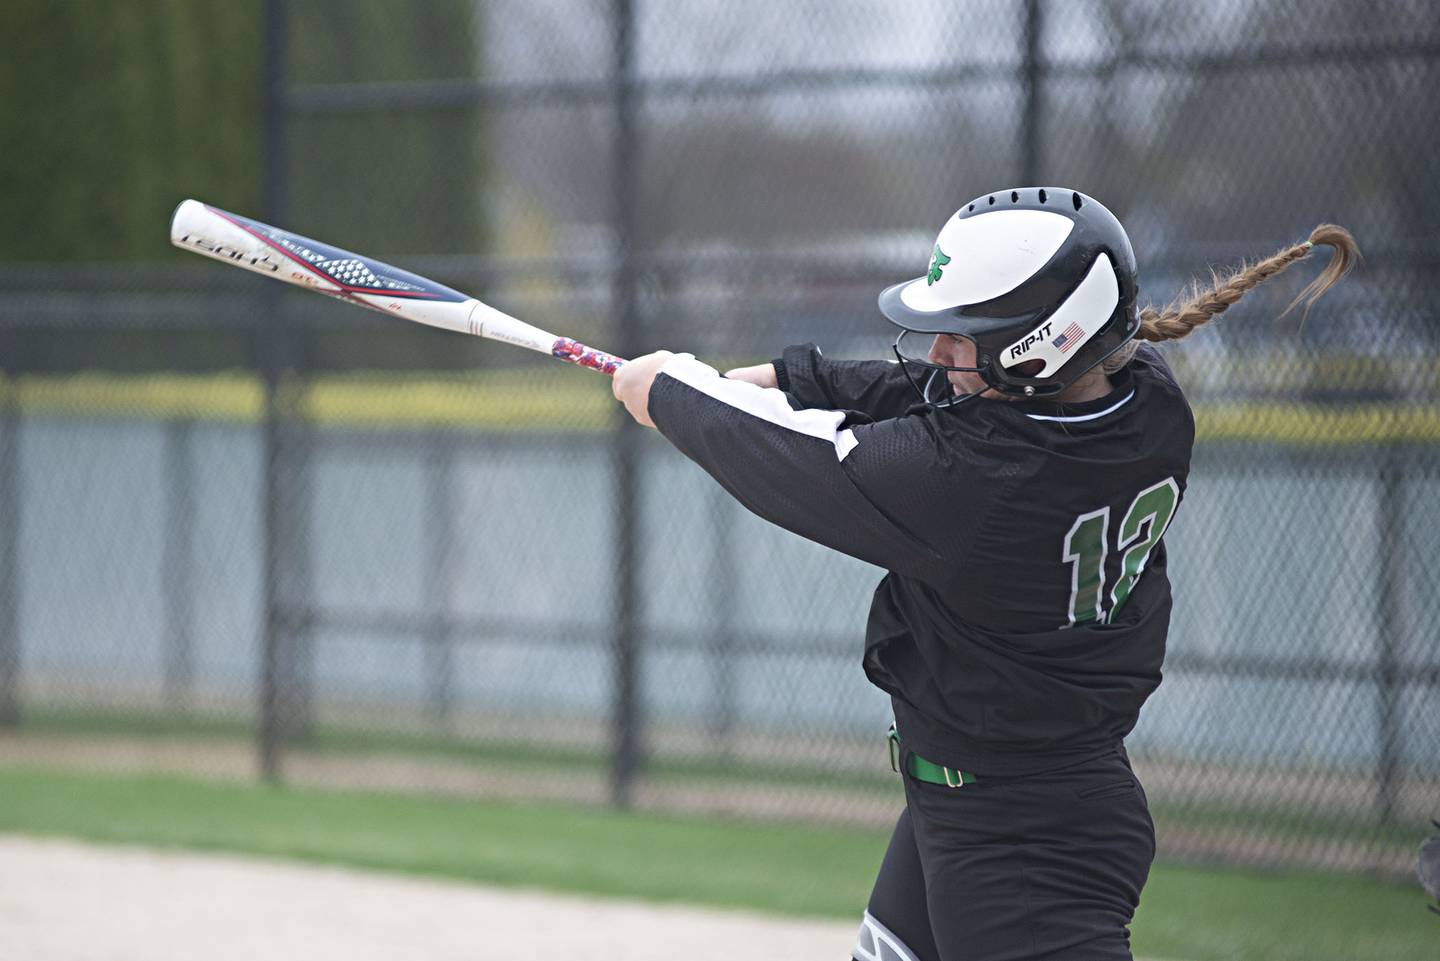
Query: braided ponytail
(1185, 314)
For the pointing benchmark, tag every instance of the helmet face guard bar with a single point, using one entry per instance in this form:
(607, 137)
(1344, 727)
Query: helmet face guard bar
(931, 380)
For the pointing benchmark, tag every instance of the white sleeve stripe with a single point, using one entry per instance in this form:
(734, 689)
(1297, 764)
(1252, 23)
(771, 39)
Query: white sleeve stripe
(767, 403)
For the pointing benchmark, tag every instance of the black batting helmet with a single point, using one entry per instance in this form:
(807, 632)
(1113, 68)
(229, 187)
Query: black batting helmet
(1040, 279)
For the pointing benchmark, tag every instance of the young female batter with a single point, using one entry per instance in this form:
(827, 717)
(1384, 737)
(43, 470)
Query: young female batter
(1015, 475)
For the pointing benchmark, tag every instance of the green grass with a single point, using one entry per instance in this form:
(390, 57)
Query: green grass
(1191, 914)
(1217, 915)
(812, 871)
(335, 739)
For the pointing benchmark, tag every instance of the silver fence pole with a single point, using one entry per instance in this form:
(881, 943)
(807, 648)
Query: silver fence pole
(272, 337)
(1388, 594)
(178, 559)
(10, 643)
(626, 721)
(439, 586)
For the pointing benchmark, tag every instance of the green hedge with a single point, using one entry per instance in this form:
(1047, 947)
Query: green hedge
(114, 111)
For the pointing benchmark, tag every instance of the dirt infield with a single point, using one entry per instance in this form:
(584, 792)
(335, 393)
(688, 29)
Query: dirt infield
(67, 901)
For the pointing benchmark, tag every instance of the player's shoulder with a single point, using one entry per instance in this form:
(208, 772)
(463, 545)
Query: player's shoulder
(1150, 369)
(1159, 392)
(947, 453)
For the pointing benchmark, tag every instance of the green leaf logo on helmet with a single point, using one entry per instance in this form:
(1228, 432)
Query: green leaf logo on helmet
(937, 260)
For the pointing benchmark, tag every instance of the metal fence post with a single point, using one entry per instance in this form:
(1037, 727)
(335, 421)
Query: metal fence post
(625, 452)
(1030, 85)
(9, 535)
(178, 558)
(723, 589)
(1391, 570)
(271, 335)
(440, 636)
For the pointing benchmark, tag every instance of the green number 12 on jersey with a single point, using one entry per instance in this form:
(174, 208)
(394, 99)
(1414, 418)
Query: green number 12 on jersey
(1088, 543)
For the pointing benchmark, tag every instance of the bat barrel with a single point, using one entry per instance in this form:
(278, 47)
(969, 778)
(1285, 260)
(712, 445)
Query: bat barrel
(303, 262)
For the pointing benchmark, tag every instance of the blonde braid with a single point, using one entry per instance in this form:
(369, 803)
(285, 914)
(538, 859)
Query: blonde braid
(1183, 316)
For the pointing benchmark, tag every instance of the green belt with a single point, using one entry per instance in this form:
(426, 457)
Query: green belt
(923, 770)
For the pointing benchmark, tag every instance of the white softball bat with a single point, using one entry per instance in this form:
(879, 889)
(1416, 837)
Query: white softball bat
(293, 259)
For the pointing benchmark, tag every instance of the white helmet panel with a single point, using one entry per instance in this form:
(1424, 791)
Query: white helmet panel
(979, 258)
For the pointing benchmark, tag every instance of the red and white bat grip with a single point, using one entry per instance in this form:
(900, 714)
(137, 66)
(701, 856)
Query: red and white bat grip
(574, 352)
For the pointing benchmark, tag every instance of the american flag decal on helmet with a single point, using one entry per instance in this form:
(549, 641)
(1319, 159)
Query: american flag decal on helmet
(1069, 338)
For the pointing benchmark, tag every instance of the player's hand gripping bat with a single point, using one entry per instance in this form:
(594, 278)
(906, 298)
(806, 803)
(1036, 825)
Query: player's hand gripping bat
(297, 260)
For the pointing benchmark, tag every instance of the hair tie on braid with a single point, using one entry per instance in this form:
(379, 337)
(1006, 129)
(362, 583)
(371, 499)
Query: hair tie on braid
(1309, 245)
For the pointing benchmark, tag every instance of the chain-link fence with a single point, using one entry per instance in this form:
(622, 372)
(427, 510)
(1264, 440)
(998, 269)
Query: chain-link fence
(247, 523)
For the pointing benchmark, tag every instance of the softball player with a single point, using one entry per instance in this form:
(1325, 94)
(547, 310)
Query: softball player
(1014, 473)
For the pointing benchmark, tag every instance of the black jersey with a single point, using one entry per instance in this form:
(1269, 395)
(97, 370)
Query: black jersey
(1022, 622)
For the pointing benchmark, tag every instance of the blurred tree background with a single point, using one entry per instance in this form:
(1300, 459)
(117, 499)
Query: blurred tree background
(120, 109)
(116, 110)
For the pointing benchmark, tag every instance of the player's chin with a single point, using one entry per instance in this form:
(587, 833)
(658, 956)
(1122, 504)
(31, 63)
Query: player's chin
(962, 385)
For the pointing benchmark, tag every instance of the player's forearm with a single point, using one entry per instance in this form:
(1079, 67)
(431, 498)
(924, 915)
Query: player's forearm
(761, 375)
(786, 465)
(876, 388)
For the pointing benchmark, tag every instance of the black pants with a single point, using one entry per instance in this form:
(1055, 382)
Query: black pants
(1039, 868)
